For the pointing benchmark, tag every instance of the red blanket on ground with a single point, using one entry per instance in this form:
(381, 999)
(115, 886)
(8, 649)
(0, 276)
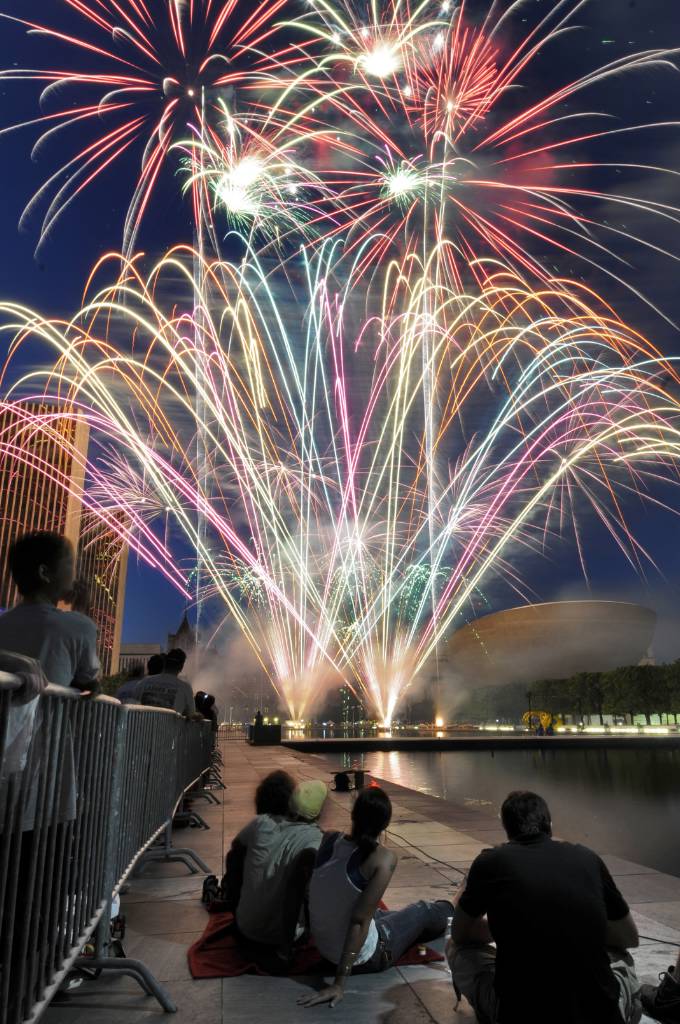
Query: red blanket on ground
(217, 955)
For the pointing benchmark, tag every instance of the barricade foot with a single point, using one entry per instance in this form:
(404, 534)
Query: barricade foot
(183, 856)
(134, 969)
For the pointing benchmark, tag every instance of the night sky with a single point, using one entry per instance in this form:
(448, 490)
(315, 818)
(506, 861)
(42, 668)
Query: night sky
(53, 281)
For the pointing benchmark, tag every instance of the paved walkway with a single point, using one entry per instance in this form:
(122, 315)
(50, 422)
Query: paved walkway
(435, 841)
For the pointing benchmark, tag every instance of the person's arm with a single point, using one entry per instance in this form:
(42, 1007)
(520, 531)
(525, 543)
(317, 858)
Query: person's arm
(622, 931)
(470, 926)
(360, 921)
(88, 670)
(232, 882)
(470, 931)
(623, 934)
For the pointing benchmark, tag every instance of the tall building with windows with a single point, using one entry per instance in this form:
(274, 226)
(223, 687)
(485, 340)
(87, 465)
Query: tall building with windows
(102, 561)
(43, 453)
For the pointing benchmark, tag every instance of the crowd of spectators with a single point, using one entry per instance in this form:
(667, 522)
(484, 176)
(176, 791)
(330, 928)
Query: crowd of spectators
(534, 915)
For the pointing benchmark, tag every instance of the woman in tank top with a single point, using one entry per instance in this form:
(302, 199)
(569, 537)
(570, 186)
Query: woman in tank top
(350, 877)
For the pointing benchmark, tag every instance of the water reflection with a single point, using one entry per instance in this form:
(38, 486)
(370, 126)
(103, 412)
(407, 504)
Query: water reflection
(624, 802)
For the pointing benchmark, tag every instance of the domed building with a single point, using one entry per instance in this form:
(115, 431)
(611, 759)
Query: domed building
(551, 641)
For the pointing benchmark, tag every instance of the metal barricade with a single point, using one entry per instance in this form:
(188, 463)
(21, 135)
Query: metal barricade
(86, 785)
(228, 731)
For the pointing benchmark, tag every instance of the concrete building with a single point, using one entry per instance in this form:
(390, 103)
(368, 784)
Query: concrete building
(550, 641)
(133, 656)
(43, 457)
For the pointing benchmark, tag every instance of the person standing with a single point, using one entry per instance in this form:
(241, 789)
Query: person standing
(64, 643)
(167, 689)
(560, 925)
(128, 692)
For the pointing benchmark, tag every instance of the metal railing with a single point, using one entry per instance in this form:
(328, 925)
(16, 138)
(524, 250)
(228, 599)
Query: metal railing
(86, 786)
(234, 731)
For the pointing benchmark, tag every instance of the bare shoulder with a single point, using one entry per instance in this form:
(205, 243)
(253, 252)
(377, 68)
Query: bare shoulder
(382, 858)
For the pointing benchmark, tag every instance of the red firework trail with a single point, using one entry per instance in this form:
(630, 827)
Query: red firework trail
(146, 68)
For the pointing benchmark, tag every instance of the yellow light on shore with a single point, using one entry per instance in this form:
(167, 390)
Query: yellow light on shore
(439, 722)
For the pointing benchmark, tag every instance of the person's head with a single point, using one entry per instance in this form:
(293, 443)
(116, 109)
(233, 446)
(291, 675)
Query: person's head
(525, 814)
(199, 697)
(273, 794)
(43, 566)
(308, 799)
(371, 814)
(174, 661)
(154, 665)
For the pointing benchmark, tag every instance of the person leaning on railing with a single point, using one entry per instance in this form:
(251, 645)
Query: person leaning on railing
(63, 642)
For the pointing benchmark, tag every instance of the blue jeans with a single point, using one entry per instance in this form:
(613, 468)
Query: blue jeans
(398, 930)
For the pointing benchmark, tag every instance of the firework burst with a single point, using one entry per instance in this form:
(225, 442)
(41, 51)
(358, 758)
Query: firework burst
(322, 535)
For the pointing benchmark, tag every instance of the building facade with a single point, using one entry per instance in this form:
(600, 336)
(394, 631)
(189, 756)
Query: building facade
(41, 477)
(43, 455)
(135, 656)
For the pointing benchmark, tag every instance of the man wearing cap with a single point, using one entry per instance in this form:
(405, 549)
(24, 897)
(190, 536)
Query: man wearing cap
(276, 869)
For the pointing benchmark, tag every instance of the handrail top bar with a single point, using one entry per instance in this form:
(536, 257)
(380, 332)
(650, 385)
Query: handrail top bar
(8, 681)
(150, 707)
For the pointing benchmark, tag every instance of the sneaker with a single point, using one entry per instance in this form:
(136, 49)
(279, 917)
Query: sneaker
(662, 1001)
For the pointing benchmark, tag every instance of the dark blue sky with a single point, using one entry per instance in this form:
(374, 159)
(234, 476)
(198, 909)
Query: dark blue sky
(53, 281)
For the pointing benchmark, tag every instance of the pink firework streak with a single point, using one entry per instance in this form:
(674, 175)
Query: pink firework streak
(144, 70)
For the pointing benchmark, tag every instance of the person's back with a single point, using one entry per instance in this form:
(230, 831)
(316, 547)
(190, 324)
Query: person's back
(547, 910)
(273, 845)
(167, 689)
(559, 923)
(63, 642)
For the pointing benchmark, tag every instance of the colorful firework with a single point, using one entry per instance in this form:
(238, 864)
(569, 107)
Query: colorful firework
(323, 537)
(136, 73)
(452, 142)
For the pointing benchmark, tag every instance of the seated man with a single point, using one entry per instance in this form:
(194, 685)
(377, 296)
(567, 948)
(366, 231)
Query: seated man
(272, 796)
(276, 869)
(167, 689)
(560, 926)
(42, 565)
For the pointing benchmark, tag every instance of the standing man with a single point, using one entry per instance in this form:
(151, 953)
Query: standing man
(560, 925)
(167, 689)
(42, 565)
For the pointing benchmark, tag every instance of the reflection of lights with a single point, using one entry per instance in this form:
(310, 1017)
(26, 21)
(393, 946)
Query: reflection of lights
(656, 730)
(380, 62)
(595, 728)
(440, 735)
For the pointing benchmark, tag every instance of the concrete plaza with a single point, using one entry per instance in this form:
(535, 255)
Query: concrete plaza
(435, 842)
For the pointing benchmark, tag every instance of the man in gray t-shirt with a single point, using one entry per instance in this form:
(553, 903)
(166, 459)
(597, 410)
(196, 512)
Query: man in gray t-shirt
(167, 689)
(63, 642)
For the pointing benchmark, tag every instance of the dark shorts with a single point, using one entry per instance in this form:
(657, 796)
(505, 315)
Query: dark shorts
(473, 969)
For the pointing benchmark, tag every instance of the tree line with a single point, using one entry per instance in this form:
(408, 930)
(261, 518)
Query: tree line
(629, 692)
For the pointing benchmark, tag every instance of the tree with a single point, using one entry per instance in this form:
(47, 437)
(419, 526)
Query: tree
(637, 689)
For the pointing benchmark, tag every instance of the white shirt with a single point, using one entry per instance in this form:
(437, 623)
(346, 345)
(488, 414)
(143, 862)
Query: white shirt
(65, 643)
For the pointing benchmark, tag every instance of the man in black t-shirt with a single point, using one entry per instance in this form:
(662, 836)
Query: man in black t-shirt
(560, 925)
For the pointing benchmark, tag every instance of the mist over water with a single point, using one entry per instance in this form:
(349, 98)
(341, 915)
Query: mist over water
(621, 802)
